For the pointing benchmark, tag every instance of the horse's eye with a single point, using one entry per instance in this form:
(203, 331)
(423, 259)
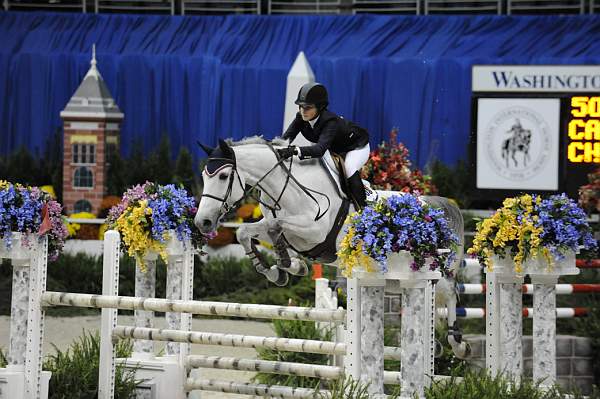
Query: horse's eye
(223, 176)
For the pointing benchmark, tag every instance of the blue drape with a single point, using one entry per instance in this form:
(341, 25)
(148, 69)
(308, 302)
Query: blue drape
(205, 77)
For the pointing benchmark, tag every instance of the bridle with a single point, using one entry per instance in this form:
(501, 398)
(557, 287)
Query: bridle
(250, 190)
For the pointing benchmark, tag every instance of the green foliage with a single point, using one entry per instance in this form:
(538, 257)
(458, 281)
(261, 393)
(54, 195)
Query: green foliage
(184, 170)
(293, 329)
(345, 388)
(159, 162)
(232, 280)
(75, 371)
(453, 182)
(478, 385)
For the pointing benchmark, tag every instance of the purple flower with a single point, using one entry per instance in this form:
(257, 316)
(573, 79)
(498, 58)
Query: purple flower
(402, 222)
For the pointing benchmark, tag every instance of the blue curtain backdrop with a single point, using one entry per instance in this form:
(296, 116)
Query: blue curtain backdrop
(201, 77)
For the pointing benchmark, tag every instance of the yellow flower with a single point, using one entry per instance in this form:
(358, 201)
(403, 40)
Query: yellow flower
(50, 190)
(4, 184)
(503, 229)
(351, 257)
(133, 226)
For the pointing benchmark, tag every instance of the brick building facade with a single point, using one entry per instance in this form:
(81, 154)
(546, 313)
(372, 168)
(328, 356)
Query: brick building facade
(91, 131)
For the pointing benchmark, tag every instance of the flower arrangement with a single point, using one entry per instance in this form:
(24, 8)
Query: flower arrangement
(528, 226)
(146, 215)
(589, 194)
(30, 210)
(394, 224)
(389, 168)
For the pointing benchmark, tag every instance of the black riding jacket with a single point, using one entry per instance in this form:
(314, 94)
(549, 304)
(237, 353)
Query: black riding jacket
(330, 133)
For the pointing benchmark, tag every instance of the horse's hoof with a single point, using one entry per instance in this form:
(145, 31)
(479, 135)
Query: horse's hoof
(277, 276)
(297, 267)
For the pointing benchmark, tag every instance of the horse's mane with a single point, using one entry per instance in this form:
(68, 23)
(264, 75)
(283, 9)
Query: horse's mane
(277, 141)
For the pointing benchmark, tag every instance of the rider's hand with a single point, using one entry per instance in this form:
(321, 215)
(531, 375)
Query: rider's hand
(285, 153)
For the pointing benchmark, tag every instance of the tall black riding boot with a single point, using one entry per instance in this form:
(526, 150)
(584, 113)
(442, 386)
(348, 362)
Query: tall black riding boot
(357, 191)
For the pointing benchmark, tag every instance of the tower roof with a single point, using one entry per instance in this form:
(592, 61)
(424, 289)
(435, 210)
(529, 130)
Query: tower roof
(92, 99)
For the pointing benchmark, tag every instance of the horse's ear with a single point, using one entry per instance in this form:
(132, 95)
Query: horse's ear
(225, 148)
(205, 148)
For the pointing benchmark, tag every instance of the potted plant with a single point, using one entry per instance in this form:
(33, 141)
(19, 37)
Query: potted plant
(389, 168)
(529, 234)
(27, 213)
(155, 220)
(565, 231)
(399, 234)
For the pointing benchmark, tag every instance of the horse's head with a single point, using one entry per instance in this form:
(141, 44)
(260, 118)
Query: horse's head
(223, 187)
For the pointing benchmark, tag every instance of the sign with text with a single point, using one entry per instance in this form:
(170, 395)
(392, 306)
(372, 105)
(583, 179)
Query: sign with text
(535, 78)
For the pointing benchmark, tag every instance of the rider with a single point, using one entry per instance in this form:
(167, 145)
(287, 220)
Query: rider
(329, 132)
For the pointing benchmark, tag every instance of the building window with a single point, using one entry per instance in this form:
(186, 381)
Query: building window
(83, 178)
(82, 206)
(84, 153)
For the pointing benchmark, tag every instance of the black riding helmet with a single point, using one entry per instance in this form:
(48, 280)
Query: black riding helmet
(313, 93)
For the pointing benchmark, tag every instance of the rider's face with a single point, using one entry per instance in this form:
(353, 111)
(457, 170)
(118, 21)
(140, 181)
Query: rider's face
(308, 112)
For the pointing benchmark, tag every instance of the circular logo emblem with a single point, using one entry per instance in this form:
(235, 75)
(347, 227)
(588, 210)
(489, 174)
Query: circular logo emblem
(517, 140)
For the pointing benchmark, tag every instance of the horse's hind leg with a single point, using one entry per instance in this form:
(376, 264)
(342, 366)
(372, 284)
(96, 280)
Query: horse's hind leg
(293, 266)
(245, 234)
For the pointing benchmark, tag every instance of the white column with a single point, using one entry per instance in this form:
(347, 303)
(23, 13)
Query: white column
(145, 287)
(364, 333)
(544, 329)
(417, 335)
(504, 324)
(173, 291)
(18, 314)
(110, 286)
(187, 294)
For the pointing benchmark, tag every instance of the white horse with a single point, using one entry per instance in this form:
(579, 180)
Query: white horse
(303, 206)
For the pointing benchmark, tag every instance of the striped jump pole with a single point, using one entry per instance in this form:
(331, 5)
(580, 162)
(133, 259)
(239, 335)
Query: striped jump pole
(561, 289)
(480, 313)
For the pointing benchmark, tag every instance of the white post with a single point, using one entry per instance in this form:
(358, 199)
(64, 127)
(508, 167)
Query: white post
(19, 306)
(110, 286)
(544, 329)
(300, 73)
(35, 320)
(417, 335)
(187, 294)
(364, 335)
(173, 291)
(145, 287)
(504, 323)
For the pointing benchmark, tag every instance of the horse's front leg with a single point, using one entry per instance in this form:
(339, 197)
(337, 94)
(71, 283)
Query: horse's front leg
(293, 266)
(245, 235)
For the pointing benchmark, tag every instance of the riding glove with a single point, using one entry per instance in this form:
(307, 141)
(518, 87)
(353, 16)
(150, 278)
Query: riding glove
(285, 153)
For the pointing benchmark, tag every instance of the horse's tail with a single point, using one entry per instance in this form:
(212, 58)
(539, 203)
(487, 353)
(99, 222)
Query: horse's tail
(455, 220)
(446, 292)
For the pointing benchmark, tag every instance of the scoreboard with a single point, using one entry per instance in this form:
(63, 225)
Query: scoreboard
(535, 128)
(583, 127)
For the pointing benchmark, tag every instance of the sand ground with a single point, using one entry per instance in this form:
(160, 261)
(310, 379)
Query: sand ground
(61, 331)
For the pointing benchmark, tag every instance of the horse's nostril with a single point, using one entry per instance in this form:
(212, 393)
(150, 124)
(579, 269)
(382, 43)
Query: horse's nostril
(206, 223)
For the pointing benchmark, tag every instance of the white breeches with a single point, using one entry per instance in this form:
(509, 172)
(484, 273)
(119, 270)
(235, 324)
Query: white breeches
(355, 159)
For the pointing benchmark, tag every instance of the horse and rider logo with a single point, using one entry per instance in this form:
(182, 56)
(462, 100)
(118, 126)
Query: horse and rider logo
(518, 143)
